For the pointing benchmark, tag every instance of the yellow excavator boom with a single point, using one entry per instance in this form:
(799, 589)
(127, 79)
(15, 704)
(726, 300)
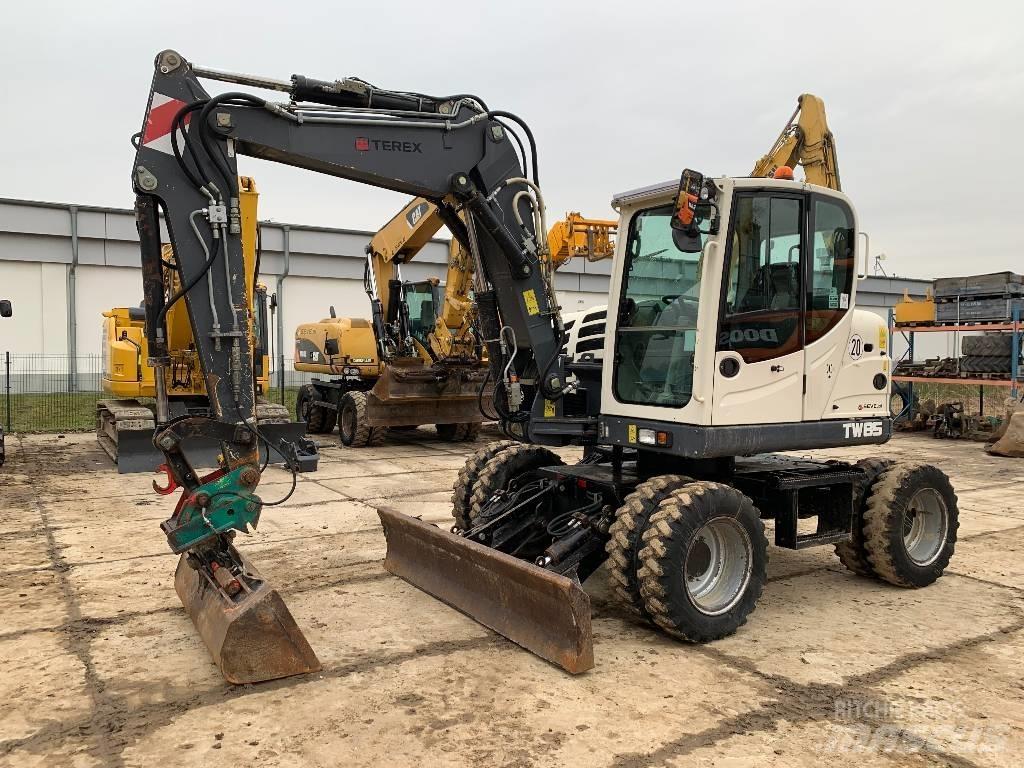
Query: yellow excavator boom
(576, 236)
(806, 141)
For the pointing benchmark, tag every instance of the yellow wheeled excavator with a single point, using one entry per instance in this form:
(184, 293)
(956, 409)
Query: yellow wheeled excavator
(732, 332)
(377, 366)
(124, 424)
(417, 361)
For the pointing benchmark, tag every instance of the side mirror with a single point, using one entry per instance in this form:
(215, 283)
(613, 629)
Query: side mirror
(333, 313)
(694, 212)
(5, 308)
(331, 347)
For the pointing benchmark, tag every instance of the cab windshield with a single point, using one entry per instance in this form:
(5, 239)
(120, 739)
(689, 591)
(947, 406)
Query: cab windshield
(657, 328)
(422, 301)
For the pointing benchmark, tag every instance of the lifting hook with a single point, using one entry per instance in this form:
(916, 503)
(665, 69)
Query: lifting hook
(172, 484)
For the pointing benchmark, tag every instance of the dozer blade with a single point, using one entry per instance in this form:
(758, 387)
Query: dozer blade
(251, 639)
(543, 612)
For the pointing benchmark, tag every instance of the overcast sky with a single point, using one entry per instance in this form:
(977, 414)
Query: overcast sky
(926, 99)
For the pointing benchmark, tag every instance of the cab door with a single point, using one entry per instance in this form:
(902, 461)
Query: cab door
(829, 298)
(759, 360)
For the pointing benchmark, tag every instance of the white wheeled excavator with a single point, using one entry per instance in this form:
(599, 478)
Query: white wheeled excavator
(731, 333)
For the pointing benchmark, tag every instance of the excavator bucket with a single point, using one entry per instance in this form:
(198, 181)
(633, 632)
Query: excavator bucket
(251, 638)
(544, 612)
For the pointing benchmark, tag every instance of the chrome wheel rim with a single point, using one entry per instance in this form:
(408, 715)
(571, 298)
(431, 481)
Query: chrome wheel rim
(925, 526)
(718, 565)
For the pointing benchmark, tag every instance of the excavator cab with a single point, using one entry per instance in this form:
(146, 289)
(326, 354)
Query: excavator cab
(423, 300)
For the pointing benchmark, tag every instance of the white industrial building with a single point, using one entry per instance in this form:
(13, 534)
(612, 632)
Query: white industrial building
(62, 265)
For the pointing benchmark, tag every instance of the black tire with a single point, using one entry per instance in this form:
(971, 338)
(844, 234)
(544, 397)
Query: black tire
(518, 461)
(319, 420)
(985, 364)
(624, 546)
(465, 483)
(355, 432)
(458, 433)
(987, 345)
(851, 553)
(675, 540)
(918, 497)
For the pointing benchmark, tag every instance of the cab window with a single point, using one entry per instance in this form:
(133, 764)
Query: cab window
(657, 326)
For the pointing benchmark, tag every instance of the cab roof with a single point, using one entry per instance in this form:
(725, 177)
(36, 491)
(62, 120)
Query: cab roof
(669, 188)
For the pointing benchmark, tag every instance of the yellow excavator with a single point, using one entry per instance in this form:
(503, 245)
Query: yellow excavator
(124, 424)
(377, 367)
(417, 361)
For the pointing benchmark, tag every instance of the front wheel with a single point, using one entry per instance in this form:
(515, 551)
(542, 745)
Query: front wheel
(518, 463)
(704, 562)
(353, 424)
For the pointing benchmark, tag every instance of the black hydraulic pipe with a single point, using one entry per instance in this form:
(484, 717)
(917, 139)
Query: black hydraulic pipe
(147, 221)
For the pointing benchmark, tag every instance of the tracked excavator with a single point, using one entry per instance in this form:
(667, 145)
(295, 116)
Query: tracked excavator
(748, 343)
(124, 424)
(419, 359)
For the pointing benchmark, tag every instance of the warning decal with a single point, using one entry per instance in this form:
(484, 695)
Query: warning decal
(157, 133)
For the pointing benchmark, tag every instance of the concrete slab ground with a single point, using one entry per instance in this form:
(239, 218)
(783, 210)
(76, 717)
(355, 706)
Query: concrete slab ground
(99, 664)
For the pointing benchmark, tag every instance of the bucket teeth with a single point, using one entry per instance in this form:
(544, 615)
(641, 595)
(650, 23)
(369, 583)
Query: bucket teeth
(252, 637)
(544, 612)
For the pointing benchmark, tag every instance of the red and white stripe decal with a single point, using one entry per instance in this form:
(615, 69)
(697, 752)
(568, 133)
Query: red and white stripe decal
(157, 134)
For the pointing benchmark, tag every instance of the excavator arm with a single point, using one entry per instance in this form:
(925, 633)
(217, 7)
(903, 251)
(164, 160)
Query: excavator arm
(807, 141)
(396, 243)
(451, 151)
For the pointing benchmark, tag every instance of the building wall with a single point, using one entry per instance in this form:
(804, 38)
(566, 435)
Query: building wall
(325, 268)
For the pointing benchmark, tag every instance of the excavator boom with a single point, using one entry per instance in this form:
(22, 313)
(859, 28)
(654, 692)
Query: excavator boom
(806, 141)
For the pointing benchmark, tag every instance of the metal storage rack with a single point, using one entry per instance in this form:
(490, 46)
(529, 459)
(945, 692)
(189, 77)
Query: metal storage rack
(908, 331)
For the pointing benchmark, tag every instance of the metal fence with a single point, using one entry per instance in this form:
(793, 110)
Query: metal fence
(55, 393)
(50, 393)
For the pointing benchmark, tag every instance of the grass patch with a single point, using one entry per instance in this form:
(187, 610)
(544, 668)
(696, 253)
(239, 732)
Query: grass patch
(76, 411)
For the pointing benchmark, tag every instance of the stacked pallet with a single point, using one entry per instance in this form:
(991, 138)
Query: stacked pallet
(988, 298)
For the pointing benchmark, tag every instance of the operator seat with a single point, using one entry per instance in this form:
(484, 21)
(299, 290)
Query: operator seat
(785, 286)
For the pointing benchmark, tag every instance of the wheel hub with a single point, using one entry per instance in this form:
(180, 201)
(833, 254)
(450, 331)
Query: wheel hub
(925, 526)
(718, 566)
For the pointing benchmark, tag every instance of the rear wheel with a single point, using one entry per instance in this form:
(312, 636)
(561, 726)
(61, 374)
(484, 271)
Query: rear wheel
(519, 463)
(352, 422)
(468, 477)
(910, 525)
(319, 420)
(624, 546)
(852, 553)
(458, 433)
(703, 562)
